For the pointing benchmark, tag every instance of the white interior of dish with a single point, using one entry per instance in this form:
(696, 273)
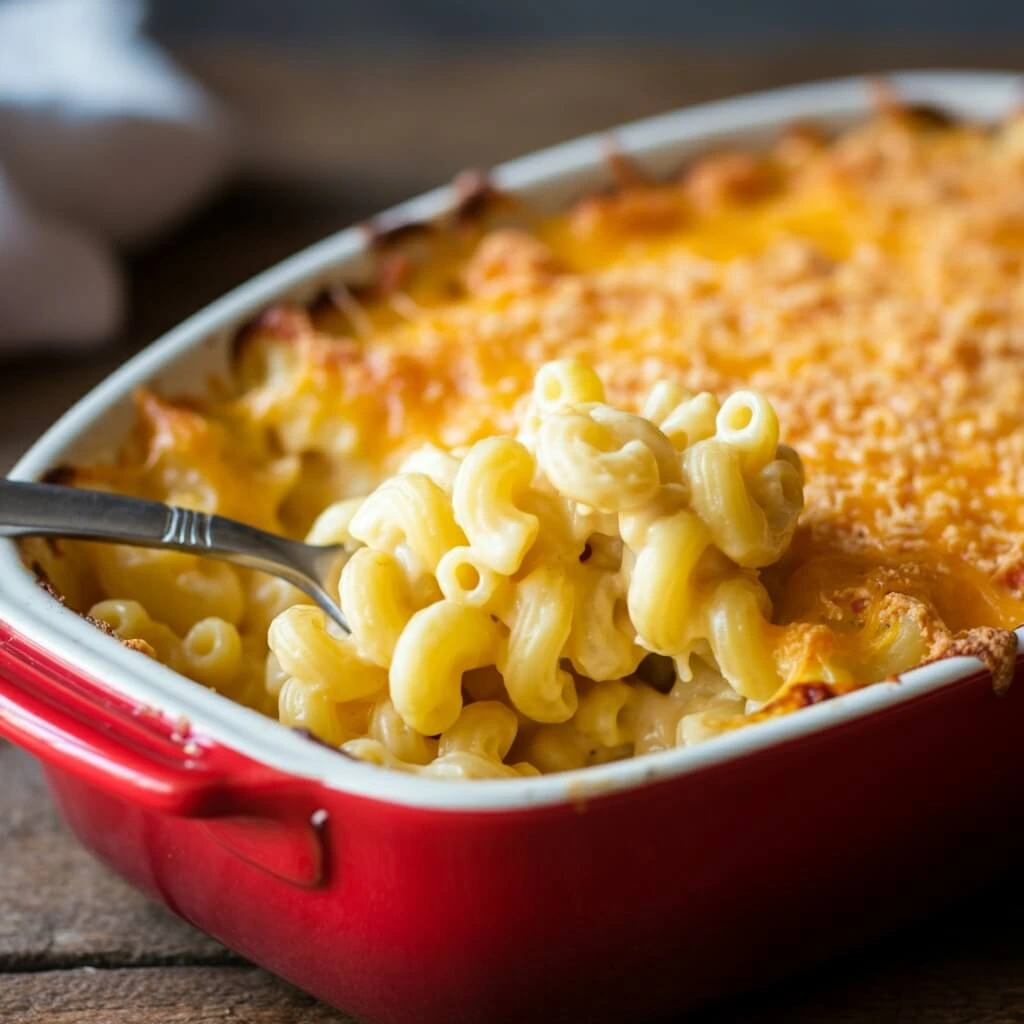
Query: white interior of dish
(185, 358)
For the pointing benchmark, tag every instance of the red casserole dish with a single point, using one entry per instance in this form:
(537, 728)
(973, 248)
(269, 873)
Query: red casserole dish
(621, 891)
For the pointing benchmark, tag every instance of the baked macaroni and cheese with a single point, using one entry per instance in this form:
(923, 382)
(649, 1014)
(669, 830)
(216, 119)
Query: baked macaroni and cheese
(690, 454)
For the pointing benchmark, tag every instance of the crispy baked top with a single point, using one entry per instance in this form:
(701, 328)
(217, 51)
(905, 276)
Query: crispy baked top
(871, 286)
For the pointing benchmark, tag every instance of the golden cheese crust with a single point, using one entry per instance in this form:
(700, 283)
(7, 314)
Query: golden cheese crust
(996, 649)
(871, 286)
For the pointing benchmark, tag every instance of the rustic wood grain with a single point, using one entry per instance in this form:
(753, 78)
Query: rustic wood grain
(168, 995)
(78, 946)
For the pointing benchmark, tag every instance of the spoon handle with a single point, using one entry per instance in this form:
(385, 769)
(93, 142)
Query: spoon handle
(47, 510)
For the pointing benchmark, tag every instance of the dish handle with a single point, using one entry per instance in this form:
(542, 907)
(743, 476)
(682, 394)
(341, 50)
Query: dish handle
(74, 725)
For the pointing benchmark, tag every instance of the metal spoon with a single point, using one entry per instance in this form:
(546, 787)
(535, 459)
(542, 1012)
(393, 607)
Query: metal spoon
(46, 510)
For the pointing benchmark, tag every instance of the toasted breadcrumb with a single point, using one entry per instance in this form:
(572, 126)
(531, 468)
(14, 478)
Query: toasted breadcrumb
(871, 286)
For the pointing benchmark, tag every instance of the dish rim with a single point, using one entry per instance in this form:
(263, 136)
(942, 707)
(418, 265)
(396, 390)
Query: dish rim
(34, 615)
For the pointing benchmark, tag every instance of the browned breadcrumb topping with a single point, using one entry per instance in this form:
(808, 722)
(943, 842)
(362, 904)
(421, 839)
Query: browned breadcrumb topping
(510, 261)
(104, 627)
(996, 649)
(793, 698)
(871, 286)
(45, 584)
(141, 646)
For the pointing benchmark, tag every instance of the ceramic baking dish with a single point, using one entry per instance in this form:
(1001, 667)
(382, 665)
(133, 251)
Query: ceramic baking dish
(618, 892)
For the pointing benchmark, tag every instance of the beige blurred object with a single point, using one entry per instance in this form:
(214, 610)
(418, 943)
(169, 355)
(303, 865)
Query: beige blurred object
(102, 142)
(56, 280)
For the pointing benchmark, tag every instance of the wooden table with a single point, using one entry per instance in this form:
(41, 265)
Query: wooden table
(77, 946)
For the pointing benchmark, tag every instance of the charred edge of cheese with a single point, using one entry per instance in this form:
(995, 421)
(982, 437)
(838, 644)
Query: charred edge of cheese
(888, 102)
(104, 627)
(995, 648)
(475, 196)
(624, 169)
(793, 698)
(62, 475)
(283, 320)
(43, 581)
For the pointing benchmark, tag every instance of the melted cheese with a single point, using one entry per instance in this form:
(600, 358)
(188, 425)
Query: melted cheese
(872, 288)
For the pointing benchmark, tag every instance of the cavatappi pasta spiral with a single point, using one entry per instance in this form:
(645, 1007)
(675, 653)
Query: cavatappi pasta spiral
(554, 452)
(649, 543)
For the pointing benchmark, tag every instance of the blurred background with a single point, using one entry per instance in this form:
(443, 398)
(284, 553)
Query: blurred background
(390, 21)
(312, 114)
